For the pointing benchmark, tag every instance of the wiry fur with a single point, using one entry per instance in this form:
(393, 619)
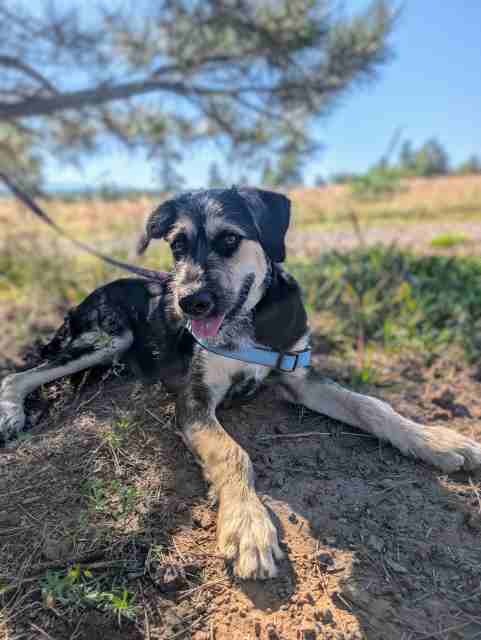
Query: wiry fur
(143, 322)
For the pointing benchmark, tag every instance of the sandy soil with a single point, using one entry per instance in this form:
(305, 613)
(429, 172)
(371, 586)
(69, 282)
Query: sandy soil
(377, 546)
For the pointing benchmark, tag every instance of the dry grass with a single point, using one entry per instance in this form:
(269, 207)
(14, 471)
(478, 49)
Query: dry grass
(99, 220)
(420, 199)
(92, 218)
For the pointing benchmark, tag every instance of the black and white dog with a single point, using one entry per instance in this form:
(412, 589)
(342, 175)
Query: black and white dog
(227, 294)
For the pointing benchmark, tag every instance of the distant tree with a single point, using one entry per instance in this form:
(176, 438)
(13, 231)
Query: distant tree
(320, 181)
(431, 160)
(166, 75)
(471, 166)
(380, 182)
(342, 177)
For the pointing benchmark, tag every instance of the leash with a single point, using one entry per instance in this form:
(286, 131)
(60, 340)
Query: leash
(40, 213)
(284, 361)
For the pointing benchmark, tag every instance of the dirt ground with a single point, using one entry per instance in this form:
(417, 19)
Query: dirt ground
(377, 546)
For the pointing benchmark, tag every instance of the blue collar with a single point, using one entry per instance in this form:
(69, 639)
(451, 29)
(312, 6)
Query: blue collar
(284, 361)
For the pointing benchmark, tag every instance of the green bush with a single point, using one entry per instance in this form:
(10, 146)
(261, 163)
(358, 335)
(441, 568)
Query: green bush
(397, 298)
(377, 183)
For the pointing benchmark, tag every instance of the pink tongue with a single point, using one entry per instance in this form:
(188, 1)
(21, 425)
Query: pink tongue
(207, 328)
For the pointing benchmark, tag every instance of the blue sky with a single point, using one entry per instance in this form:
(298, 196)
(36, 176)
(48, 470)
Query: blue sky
(432, 88)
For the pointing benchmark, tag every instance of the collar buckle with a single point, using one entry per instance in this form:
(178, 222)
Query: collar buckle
(280, 358)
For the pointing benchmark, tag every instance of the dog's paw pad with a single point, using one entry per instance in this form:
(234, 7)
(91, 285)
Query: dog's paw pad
(248, 537)
(12, 420)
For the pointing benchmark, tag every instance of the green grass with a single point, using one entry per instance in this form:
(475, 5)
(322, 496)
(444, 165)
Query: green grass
(28, 267)
(397, 299)
(112, 499)
(79, 589)
(448, 240)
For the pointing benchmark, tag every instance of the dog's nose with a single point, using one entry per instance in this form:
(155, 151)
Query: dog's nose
(197, 304)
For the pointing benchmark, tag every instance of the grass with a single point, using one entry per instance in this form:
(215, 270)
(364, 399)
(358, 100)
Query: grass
(449, 240)
(397, 299)
(419, 199)
(79, 589)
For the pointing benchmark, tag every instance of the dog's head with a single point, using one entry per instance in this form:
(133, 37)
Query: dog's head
(223, 242)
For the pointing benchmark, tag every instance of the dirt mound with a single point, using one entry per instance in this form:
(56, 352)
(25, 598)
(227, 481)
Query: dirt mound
(107, 530)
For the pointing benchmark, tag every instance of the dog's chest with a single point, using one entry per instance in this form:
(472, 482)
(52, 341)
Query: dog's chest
(228, 378)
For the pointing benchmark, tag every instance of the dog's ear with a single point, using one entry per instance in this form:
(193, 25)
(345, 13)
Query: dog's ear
(271, 213)
(158, 224)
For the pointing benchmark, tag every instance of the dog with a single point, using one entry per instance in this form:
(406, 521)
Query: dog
(227, 298)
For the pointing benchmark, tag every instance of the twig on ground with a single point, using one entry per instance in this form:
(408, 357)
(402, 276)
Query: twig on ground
(308, 434)
(162, 423)
(206, 585)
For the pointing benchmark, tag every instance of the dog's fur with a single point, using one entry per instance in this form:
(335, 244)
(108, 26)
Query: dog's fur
(228, 246)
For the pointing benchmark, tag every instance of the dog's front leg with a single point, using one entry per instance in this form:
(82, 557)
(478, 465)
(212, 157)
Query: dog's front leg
(245, 532)
(441, 447)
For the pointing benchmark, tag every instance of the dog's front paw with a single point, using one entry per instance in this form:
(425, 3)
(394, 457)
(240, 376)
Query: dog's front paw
(12, 419)
(247, 536)
(448, 450)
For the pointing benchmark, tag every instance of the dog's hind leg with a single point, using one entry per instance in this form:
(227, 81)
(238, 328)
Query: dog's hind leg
(89, 349)
(441, 447)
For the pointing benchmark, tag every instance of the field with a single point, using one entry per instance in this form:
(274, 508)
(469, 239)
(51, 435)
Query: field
(106, 529)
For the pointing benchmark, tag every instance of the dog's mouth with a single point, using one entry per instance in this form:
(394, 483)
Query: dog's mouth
(207, 327)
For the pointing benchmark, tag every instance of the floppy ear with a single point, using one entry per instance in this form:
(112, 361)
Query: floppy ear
(157, 225)
(271, 213)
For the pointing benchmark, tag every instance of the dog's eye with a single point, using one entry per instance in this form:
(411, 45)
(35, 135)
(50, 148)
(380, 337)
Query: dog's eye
(231, 240)
(228, 242)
